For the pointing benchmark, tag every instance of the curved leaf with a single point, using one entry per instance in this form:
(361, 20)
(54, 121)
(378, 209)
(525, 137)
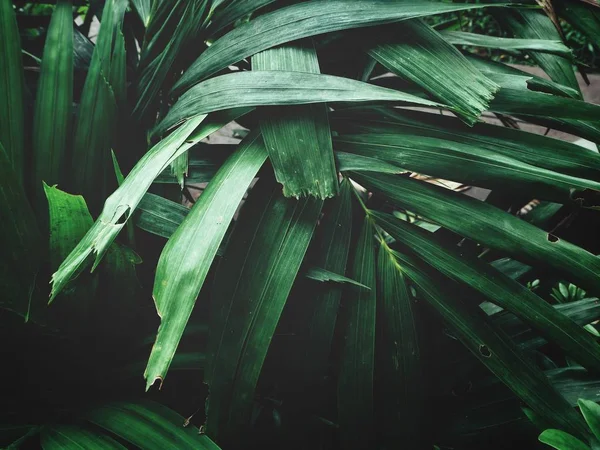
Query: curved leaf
(186, 259)
(302, 20)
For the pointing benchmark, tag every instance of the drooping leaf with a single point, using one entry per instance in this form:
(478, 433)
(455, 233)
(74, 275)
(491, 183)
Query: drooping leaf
(401, 393)
(417, 52)
(481, 40)
(70, 437)
(53, 109)
(272, 88)
(121, 204)
(498, 288)
(263, 255)
(20, 240)
(12, 127)
(298, 138)
(493, 348)
(185, 260)
(488, 225)
(461, 162)
(355, 381)
(562, 441)
(303, 20)
(534, 149)
(150, 426)
(516, 98)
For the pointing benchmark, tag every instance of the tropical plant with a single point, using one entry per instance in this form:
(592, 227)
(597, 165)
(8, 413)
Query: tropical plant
(564, 441)
(330, 281)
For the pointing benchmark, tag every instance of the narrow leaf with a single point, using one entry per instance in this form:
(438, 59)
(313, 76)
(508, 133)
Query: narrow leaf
(399, 364)
(298, 138)
(53, 110)
(493, 349)
(276, 88)
(418, 53)
(160, 216)
(303, 20)
(481, 40)
(488, 225)
(185, 260)
(499, 289)
(263, 257)
(12, 127)
(355, 382)
(20, 240)
(322, 275)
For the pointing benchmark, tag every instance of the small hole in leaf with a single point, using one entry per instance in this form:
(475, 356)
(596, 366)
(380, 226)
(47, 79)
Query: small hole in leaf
(484, 351)
(552, 238)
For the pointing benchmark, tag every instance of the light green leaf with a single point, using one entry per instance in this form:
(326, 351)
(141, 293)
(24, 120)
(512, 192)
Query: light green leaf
(298, 138)
(323, 275)
(69, 221)
(481, 40)
(355, 382)
(303, 20)
(186, 259)
(498, 288)
(417, 52)
(591, 413)
(69, 437)
(12, 127)
(561, 441)
(53, 110)
(242, 89)
(121, 204)
(150, 426)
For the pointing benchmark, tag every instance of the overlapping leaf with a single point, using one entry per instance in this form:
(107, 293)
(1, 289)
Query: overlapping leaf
(302, 20)
(499, 289)
(185, 260)
(488, 225)
(355, 382)
(298, 138)
(263, 255)
(12, 127)
(417, 52)
(53, 110)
